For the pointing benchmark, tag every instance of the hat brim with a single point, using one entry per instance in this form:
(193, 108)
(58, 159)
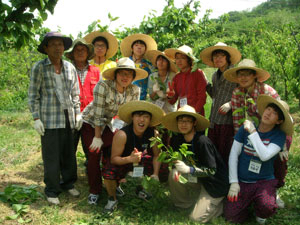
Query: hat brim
(287, 125)
(152, 56)
(126, 110)
(69, 53)
(171, 52)
(111, 39)
(127, 42)
(206, 54)
(170, 122)
(67, 43)
(109, 74)
(231, 74)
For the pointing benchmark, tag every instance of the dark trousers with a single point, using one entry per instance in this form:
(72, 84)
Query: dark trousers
(58, 153)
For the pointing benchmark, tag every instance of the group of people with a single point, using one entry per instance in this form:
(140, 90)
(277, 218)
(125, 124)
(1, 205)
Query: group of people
(115, 107)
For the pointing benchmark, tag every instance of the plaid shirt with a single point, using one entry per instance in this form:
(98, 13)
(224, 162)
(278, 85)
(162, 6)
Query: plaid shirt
(82, 73)
(238, 101)
(220, 92)
(106, 103)
(43, 97)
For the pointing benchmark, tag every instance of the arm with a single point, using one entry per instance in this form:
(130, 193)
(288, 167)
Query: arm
(200, 83)
(36, 77)
(236, 103)
(75, 91)
(235, 151)
(100, 92)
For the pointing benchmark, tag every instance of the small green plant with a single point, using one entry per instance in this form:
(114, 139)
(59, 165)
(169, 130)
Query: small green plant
(162, 85)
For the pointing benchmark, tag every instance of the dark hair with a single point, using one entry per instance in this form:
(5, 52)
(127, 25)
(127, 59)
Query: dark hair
(140, 113)
(185, 115)
(138, 42)
(278, 110)
(100, 38)
(250, 70)
(117, 70)
(163, 57)
(217, 51)
(189, 59)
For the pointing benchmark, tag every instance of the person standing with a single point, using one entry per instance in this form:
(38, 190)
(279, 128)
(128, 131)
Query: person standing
(53, 98)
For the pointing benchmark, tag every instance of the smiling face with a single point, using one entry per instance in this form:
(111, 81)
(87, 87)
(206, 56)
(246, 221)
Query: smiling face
(219, 60)
(141, 121)
(186, 124)
(55, 48)
(80, 53)
(182, 62)
(246, 78)
(124, 77)
(100, 48)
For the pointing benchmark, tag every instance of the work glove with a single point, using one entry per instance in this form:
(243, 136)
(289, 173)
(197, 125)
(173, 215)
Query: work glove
(155, 177)
(170, 90)
(225, 108)
(233, 192)
(96, 144)
(249, 126)
(182, 167)
(156, 89)
(284, 155)
(39, 127)
(79, 122)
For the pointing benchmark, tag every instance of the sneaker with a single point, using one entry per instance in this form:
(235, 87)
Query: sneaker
(279, 202)
(54, 201)
(142, 194)
(111, 205)
(120, 192)
(260, 220)
(74, 192)
(93, 199)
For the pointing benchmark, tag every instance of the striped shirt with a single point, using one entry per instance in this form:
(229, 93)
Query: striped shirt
(43, 98)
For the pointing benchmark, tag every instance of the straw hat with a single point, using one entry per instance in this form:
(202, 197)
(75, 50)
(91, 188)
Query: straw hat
(231, 74)
(127, 42)
(287, 125)
(125, 63)
(126, 110)
(184, 49)
(170, 121)
(152, 56)
(81, 41)
(206, 54)
(53, 34)
(111, 39)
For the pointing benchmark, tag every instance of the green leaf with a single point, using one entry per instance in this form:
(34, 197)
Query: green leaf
(238, 111)
(182, 179)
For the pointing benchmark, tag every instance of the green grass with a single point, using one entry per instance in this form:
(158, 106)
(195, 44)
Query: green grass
(21, 163)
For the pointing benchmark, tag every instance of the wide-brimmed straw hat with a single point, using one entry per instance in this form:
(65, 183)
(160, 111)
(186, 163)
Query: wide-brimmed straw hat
(206, 54)
(125, 63)
(54, 34)
(231, 74)
(184, 49)
(111, 39)
(127, 42)
(126, 110)
(81, 41)
(153, 54)
(170, 121)
(287, 125)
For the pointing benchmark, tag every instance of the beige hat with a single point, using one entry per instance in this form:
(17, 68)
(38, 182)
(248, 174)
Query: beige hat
(81, 41)
(127, 42)
(231, 74)
(287, 125)
(111, 39)
(126, 110)
(184, 49)
(125, 63)
(153, 54)
(206, 54)
(170, 121)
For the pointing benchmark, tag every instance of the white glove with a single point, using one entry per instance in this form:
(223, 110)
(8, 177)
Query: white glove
(182, 167)
(155, 177)
(233, 192)
(156, 87)
(79, 122)
(39, 127)
(96, 144)
(225, 108)
(161, 94)
(249, 126)
(284, 155)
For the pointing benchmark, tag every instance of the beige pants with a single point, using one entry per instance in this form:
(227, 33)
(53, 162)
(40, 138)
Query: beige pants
(189, 194)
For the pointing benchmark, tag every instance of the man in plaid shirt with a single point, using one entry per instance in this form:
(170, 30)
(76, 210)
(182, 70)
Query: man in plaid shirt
(55, 107)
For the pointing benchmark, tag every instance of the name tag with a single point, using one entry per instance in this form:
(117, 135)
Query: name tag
(117, 125)
(254, 166)
(138, 171)
(183, 102)
(159, 103)
(192, 179)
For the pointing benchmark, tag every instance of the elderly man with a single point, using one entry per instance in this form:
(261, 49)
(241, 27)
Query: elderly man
(55, 107)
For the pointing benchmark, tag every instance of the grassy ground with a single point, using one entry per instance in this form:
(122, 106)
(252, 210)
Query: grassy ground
(21, 163)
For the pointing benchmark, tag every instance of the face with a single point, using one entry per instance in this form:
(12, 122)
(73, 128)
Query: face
(141, 122)
(219, 60)
(245, 78)
(162, 63)
(270, 117)
(55, 48)
(100, 48)
(124, 78)
(185, 125)
(80, 53)
(138, 49)
(181, 61)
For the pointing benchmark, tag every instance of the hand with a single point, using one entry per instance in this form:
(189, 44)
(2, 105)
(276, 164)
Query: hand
(170, 90)
(39, 127)
(156, 87)
(79, 122)
(155, 177)
(161, 94)
(249, 126)
(182, 167)
(284, 155)
(175, 175)
(135, 156)
(225, 108)
(96, 144)
(233, 192)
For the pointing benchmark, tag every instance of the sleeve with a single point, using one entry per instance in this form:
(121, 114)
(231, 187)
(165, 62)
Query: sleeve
(235, 104)
(235, 151)
(201, 91)
(210, 86)
(36, 77)
(100, 93)
(75, 91)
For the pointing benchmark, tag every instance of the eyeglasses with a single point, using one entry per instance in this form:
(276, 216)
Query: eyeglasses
(99, 46)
